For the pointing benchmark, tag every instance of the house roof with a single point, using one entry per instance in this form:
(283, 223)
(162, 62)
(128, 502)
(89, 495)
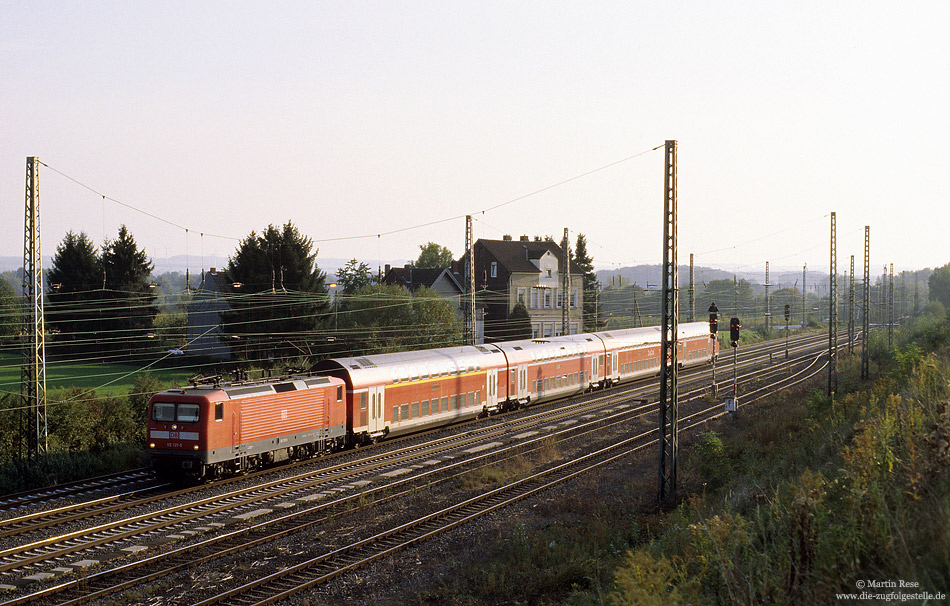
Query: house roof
(516, 255)
(413, 277)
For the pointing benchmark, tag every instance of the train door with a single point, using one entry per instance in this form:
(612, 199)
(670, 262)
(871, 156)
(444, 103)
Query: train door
(236, 429)
(614, 365)
(377, 409)
(523, 382)
(491, 388)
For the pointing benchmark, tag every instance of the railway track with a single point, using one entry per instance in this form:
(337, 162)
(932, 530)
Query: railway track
(292, 521)
(314, 571)
(71, 490)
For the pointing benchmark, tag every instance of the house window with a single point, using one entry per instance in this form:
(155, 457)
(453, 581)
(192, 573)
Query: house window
(535, 331)
(574, 298)
(494, 269)
(548, 299)
(522, 294)
(548, 329)
(560, 296)
(549, 273)
(534, 298)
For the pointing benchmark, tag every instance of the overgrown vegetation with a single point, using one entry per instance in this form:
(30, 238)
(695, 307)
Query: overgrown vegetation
(88, 436)
(801, 502)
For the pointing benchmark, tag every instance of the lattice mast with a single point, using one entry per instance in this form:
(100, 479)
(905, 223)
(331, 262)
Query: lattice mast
(804, 300)
(33, 368)
(851, 311)
(565, 285)
(833, 311)
(669, 419)
(692, 291)
(768, 301)
(470, 274)
(866, 312)
(890, 309)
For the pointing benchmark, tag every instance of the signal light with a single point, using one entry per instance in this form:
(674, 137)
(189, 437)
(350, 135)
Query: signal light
(713, 319)
(788, 312)
(734, 326)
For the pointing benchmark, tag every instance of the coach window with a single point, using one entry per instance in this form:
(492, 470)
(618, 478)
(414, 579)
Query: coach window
(187, 413)
(218, 411)
(163, 411)
(445, 403)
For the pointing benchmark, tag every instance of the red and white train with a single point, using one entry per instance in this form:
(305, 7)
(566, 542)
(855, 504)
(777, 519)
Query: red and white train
(208, 431)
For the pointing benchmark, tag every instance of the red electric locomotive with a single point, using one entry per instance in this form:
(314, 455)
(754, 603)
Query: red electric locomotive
(206, 431)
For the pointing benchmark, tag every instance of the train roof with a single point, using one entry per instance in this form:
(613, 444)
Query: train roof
(375, 369)
(247, 389)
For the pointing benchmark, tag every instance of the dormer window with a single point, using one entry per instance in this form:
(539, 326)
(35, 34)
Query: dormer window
(494, 269)
(549, 273)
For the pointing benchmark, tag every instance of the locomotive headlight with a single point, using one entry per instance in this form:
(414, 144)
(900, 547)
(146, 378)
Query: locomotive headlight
(195, 447)
(151, 444)
(174, 427)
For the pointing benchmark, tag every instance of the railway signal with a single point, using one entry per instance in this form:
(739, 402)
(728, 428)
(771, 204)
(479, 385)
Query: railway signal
(732, 404)
(713, 331)
(788, 315)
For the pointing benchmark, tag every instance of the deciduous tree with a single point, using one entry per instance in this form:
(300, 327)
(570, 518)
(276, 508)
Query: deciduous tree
(939, 285)
(433, 256)
(353, 276)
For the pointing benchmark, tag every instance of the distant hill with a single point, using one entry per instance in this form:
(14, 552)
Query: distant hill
(644, 275)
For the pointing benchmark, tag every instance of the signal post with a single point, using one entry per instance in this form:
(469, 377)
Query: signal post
(732, 404)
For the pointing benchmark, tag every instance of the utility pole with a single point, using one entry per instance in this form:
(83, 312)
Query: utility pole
(669, 420)
(33, 368)
(833, 311)
(866, 327)
(470, 271)
(565, 285)
(851, 311)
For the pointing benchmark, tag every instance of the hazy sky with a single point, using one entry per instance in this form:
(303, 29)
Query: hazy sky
(361, 118)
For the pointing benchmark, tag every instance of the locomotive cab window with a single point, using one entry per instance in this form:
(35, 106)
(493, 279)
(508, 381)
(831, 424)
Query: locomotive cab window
(218, 411)
(163, 411)
(339, 394)
(187, 413)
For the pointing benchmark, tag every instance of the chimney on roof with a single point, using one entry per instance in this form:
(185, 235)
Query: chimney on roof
(387, 269)
(525, 239)
(537, 238)
(214, 270)
(506, 237)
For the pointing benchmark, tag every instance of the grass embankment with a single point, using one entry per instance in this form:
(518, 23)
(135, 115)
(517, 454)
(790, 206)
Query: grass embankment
(791, 502)
(95, 417)
(108, 380)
